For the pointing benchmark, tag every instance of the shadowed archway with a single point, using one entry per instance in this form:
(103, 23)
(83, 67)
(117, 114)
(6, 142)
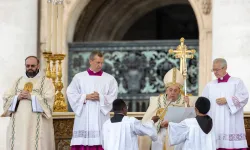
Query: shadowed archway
(110, 20)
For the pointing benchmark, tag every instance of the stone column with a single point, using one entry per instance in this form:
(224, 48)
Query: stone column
(231, 37)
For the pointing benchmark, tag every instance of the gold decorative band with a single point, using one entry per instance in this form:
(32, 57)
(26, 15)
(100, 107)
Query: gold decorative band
(174, 75)
(173, 83)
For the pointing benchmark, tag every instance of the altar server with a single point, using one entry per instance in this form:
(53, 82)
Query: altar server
(193, 133)
(120, 132)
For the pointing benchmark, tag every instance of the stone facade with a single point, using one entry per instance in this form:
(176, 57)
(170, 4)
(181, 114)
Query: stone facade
(91, 19)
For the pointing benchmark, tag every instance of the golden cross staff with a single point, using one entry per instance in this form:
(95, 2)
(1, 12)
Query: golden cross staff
(183, 53)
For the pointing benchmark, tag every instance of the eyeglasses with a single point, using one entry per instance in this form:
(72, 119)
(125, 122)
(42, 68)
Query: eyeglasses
(216, 70)
(32, 66)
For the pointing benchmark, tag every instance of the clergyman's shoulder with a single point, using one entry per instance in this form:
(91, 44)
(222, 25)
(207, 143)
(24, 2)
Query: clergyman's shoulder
(215, 81)
(108, 76)
(190, 120)
(129, 119)
(234, 79)
(45, 78)
(18, 79)
(154, 99)
(81, 74)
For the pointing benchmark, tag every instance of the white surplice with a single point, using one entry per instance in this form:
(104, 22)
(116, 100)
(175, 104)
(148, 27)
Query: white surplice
(229, 118)
(90, 115)
(188, 135)
(123, 135)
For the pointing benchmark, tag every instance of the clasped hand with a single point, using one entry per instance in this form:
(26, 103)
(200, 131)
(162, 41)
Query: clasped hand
(221, 101)
(24, 95)
(93, 96)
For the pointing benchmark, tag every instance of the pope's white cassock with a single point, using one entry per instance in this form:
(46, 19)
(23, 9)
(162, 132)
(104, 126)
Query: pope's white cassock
(90, 115)
(123, 135)
(229, 118)
(31, 123)
(188, 135)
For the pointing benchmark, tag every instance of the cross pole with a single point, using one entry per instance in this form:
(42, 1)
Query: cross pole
(183, 53)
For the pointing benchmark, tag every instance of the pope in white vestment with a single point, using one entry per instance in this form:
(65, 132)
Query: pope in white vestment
(173, 81)
(29, 103)
(90, 95)
(228, 96)
(120, 132)
(194, 133)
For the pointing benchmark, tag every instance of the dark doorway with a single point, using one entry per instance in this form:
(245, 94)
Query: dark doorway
(165, 23)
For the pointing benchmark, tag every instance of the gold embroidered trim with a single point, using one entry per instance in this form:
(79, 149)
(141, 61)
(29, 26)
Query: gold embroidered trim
(174, 75)
(28, 87)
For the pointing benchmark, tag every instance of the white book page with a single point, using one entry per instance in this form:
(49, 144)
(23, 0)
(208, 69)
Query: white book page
(178, 114)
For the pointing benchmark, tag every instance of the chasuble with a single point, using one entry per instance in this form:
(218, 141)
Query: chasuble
(31, 123)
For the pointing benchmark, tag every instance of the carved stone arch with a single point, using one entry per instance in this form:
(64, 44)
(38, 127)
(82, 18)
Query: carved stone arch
(103, 28)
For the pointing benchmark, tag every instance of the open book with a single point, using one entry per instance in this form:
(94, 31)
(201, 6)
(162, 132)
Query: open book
(178, 114)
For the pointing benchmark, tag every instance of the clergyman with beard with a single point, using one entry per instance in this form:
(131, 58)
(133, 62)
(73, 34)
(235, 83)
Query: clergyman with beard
(29, 103)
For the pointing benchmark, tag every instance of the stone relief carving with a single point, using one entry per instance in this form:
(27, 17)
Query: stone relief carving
(63, 128)
(63, 133)
(206, 6)
(63, 144)
(247, 123)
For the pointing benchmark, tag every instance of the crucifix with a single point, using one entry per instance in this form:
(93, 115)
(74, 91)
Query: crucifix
(183, 53)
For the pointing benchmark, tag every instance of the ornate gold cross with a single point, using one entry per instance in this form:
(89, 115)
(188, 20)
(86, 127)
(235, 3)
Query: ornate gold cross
(182, 52)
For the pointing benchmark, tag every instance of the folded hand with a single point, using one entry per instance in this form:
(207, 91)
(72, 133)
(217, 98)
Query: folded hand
(221, 101)
(24, 95)
(93, 96)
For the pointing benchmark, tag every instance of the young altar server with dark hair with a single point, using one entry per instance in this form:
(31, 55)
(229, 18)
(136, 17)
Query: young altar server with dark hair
(193, 133)
(120, 132)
